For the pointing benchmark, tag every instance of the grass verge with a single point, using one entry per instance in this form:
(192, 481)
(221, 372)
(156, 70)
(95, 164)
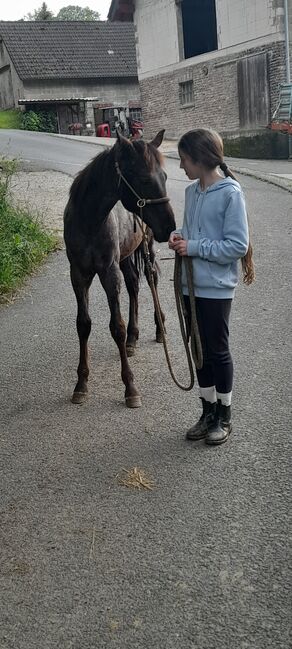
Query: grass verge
(23, 241)
(10, 119)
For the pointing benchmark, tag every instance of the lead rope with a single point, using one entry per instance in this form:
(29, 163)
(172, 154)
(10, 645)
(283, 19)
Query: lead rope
(196, 346)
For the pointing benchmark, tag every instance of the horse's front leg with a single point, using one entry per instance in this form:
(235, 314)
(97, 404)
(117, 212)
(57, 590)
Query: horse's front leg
(81, 286)
(111, 282)
(132, 284)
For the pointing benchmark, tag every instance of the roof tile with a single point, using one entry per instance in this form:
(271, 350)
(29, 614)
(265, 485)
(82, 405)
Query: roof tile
(70, 49)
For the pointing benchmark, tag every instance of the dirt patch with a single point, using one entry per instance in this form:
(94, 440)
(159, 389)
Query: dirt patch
(44, 193)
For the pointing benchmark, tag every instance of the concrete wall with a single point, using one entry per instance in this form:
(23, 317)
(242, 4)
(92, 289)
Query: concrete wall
(240, 24)
(216, 102)
(115, 92)
(158, 34)
(11, 87)
(240, 21)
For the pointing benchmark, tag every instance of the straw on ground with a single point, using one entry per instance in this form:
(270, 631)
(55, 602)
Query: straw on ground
(136, 478)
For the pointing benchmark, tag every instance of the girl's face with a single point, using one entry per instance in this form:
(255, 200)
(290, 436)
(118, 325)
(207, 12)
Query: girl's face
(191, 168)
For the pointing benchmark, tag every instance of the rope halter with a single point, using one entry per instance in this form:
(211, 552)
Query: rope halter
(141, 203)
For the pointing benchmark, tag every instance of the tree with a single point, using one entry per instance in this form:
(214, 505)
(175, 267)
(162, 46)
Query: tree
(42, 13)
(72, 12)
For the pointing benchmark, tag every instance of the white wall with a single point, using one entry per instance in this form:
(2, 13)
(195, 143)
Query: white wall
(156, 25)
(240, 21)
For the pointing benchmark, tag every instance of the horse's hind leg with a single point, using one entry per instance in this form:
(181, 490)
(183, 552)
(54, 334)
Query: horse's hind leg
(131, 277)
(111, 282)
(159, 332)
(81, 286)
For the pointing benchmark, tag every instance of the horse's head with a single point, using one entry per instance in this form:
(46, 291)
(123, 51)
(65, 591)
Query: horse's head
(142, 176)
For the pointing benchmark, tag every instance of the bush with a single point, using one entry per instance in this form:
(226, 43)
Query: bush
(31, 121)
(40, 120)
(23, 242)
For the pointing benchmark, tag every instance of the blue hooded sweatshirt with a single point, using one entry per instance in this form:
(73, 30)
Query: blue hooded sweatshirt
(216, 228)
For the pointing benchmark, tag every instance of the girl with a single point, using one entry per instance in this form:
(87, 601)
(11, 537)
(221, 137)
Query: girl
(215, 235)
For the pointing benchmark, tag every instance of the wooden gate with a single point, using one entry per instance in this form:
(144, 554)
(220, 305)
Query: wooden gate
(253, 91)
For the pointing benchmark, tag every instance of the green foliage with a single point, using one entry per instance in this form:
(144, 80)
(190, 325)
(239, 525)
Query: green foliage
(40, 120)
(31, 121)
(23, 242)
(72, 12)
(10, 119)
(42, 13)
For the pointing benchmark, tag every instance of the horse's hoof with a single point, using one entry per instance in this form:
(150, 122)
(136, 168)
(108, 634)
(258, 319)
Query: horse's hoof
(130, 350)
(159, 338)
(134, 401)
(79, 397)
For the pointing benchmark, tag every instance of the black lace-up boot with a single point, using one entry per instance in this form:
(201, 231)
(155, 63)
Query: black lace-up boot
(200, 429)
(221, 427)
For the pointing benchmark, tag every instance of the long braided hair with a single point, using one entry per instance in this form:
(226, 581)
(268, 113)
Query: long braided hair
(205, 146)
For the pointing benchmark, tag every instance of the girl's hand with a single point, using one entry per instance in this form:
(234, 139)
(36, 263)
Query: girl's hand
(180, 246)
(173, 237)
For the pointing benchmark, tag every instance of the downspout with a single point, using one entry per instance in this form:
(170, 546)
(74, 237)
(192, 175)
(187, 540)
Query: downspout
(288, 75)
(287, 44)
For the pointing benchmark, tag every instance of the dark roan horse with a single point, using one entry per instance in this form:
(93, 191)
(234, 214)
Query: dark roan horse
(101, 238)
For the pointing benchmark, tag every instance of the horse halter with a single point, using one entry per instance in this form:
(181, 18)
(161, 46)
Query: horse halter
(141, 202)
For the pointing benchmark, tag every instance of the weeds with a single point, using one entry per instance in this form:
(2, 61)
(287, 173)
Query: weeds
(23, 242)
(10, 118)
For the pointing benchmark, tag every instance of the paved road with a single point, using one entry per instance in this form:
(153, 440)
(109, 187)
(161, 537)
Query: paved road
(36, 151)
(200, 562)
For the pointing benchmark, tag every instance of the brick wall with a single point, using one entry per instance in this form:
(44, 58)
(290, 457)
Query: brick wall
(215, 94)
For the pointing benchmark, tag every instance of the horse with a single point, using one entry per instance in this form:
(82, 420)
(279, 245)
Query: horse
(102, 238)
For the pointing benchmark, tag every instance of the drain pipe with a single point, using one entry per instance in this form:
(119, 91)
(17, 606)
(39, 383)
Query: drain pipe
(287, 44)
(287, 48)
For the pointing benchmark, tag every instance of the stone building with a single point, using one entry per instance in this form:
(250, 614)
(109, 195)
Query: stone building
(85, 71)
(208, 62)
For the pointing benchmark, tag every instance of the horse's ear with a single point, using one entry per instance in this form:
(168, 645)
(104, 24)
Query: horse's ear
(123, 140)
(158, 138)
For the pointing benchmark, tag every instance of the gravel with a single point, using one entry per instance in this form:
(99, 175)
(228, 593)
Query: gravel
(44, 194)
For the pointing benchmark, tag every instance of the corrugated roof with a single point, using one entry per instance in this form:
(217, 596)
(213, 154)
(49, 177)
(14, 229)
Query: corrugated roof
(70, 50)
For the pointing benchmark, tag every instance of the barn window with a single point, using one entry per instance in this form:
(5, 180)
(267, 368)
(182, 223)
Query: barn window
(186, 92)
(199, 26)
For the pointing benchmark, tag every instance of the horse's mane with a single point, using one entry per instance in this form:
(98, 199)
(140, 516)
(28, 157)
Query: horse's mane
(88, 175)
(83, 179)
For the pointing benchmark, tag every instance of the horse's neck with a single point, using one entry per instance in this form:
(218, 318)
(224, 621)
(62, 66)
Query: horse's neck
(108, 186)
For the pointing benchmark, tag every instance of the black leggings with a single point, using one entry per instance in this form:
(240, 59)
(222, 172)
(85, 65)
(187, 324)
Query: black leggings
(213, 321)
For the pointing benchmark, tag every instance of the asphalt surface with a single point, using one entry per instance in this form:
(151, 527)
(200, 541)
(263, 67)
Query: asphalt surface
(202, 560)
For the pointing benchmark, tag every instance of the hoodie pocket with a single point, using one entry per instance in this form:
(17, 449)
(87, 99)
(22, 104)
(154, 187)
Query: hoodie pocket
(220, 273)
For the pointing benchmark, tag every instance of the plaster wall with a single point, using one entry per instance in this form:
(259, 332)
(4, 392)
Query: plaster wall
(241, 21)
(107, 92)
(11, 87)
(157, 42)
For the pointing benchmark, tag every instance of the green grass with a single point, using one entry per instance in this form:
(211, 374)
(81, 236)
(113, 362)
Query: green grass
(10, 119)
(23, 242)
